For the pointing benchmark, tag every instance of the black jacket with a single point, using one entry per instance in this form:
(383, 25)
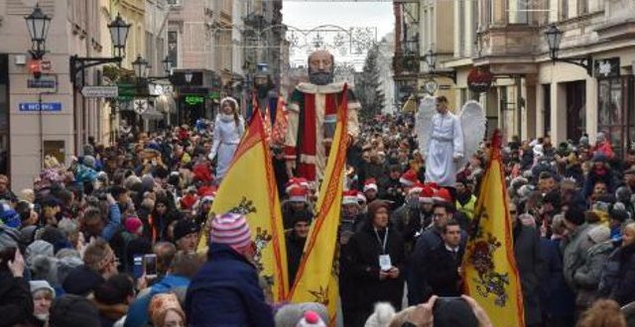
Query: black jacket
(443, 271)
(361, 258)
(16, 304)
(295, 246)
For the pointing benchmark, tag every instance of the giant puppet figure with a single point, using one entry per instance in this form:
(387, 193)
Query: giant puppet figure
(312, 118)
(447, 141)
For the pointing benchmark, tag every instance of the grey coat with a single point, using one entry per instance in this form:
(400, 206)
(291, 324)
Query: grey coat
(575, 253)
(587, 277)
(529, 263)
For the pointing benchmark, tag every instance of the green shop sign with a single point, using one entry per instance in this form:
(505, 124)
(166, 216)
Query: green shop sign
(193, 100)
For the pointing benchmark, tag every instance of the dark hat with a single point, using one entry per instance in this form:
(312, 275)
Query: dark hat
(375, 205)
(73, 311)
(184, 227)
(453, 312)
(302, 215)
(599, 157)
(117, 190)
(51, 202)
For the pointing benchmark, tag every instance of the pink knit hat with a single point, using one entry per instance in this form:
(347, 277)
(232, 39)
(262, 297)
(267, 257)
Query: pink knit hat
(231, 229)
(132, 224)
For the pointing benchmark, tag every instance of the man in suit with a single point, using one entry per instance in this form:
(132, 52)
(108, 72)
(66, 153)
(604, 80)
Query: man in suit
(444, 275)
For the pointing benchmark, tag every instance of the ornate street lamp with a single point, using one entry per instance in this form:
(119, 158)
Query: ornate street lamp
(38, 25)
(119, 34)
(140, 66)
(431, 60)
(553, 35)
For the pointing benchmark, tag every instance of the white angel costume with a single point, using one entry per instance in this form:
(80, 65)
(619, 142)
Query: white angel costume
(227, 135)
(441, 138)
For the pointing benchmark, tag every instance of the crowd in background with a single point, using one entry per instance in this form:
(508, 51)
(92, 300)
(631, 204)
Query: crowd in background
(69, 244)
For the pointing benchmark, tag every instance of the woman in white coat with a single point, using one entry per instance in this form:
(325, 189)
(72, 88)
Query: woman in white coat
(229, 127)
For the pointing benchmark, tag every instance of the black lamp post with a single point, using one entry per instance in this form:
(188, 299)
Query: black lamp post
(119, 35)
(38, 25)
(553, 35)
(142, 69)
(431, 60)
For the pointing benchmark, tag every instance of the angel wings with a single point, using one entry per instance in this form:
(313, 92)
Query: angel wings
(472, 117)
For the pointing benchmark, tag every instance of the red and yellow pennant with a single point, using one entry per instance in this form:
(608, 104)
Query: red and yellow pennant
(249, 188)
(489, 265)
(316, 280)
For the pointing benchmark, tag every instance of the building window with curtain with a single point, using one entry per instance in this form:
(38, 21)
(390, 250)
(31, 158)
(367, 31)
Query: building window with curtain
(518, 11)
(615, 116)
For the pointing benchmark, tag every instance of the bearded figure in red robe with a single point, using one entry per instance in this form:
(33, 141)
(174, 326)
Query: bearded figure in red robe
(312, 110)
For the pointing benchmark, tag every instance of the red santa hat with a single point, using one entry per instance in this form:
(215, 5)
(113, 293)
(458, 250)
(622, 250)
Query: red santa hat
(434, 185)
(298, 194)
(349, 197)
(204, 191)
(416, 188)
(187, 202)
(296, 182)
(442, 195)
(409, 178)
(426, 195)
(370, 184)
(361, 198)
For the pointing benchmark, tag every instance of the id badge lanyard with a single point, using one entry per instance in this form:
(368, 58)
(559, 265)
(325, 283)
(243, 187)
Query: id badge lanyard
(382, 243)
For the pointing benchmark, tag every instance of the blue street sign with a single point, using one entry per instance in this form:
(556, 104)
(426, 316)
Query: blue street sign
(40, 84)
(34, 106)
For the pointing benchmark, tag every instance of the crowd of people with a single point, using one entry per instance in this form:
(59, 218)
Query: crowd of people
(71, 245)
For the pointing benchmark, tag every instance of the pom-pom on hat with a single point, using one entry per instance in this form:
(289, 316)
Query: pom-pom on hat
(349, 197)
(230, 229)
(416, 188)
(370, 184)
(311, 318)
(409, 178)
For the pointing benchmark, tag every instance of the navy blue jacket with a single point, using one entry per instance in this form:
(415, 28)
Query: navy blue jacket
(226, 292)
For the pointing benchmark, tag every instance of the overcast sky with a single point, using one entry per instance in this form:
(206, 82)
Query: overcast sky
(310, 14)
(307, 15)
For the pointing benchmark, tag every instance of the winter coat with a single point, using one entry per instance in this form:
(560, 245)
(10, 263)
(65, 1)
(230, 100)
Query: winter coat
(408, 221)
(617, 281)
(443, 273)
(556, 298)
(361, 259)
(138, 311)
(16, 305)
(608, 178)
(295, 247)
(226, 292)
(587, 277)
(467, 208)
(529, 263)
(574, 253)
(392, 190)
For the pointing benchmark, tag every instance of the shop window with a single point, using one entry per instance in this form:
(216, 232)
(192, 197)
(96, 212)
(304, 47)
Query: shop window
(615, 111)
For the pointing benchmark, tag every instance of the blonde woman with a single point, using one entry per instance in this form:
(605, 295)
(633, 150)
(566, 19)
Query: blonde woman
(229, 128)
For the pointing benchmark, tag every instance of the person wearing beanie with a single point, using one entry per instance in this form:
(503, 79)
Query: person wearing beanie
(165, 311)
(295, 240)
(370, 190)
(311, 319)
(297, 201)
(375, 261)
(600, 172)
(465, 200)
(226, 290)
(382, 316)
(289, 314)
(43, 295)
(186, 234)
(130, 243)
(74, 311)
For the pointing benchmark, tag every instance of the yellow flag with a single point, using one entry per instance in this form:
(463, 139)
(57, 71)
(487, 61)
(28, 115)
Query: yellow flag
(489, 266)
(316, 280)
(249, 188)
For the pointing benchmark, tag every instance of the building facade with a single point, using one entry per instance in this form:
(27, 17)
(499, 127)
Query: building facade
(531, 95)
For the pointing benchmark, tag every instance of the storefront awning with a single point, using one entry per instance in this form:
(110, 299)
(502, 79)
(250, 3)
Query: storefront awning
(165, 104)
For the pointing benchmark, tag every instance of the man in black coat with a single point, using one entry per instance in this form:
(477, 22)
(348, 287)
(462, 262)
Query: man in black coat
(295, 242)
(444, 262)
